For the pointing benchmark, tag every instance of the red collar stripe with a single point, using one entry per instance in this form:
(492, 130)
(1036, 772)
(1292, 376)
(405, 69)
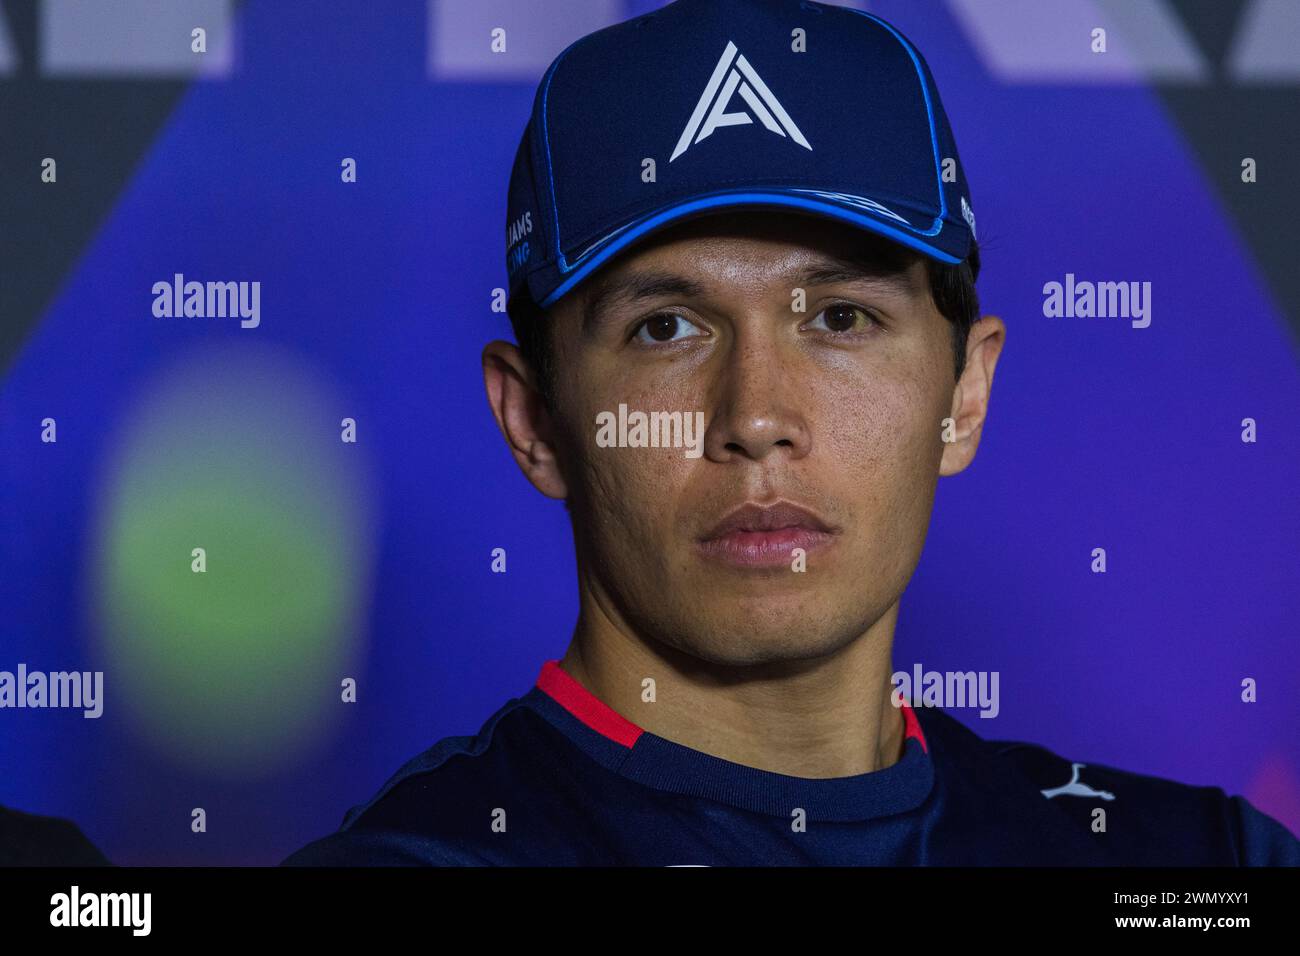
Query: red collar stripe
(603, 719)
(912, 726)
(586, 706)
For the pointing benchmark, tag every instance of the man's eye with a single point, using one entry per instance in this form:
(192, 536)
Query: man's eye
(664, 328)
(843, 317)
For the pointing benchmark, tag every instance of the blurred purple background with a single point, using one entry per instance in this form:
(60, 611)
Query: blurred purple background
(376, 301)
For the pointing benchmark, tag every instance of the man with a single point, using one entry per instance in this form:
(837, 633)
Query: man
(746, 222)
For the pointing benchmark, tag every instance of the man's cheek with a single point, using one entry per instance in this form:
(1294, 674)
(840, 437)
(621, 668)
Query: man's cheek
(871, 430)
(885, 470)
(634, 487)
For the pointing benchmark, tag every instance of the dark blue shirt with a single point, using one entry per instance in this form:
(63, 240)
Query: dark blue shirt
(556, 777)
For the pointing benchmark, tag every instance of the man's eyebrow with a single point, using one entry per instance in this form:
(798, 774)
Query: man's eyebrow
(637, 287)
(888, 275)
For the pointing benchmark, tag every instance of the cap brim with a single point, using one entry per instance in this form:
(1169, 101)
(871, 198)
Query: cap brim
(940, 241)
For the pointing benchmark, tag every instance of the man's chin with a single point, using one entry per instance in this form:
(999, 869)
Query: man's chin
(745, 638)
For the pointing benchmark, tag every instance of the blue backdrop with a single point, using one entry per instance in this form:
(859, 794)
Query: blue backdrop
(375, 556)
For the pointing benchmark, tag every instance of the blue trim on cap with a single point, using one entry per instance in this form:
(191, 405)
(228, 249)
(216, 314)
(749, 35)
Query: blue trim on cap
(929, 107)
(546, 140)
(740, 199)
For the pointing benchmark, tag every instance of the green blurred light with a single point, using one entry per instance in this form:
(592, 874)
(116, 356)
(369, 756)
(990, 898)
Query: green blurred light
(237, 669)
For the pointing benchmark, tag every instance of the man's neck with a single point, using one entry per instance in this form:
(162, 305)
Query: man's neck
(828, 717)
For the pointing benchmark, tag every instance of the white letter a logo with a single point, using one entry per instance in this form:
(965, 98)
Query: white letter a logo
(752, 90)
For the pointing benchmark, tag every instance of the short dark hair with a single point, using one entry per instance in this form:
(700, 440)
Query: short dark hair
(951, 286)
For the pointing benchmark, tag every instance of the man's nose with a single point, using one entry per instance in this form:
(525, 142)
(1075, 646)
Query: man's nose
(756, 404)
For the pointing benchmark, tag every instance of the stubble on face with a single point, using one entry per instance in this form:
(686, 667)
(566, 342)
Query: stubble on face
(847, 428)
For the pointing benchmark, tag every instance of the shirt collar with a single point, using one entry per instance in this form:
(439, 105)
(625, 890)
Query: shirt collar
(632, 751)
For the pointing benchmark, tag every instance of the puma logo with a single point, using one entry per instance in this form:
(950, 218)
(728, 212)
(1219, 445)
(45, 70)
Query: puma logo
(1076, 789)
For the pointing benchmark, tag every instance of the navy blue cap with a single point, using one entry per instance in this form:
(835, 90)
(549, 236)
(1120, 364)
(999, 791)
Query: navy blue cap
(733, 115)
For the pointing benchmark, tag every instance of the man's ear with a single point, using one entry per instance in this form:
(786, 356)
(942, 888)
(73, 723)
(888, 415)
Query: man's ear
(522, 416)
(970, 396)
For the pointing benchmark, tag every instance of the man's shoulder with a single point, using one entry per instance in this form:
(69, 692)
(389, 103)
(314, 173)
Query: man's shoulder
(454, 803)
(438, 806)
(1145, 819)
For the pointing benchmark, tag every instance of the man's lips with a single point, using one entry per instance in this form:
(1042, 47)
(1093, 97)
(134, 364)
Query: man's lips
(756, 535)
